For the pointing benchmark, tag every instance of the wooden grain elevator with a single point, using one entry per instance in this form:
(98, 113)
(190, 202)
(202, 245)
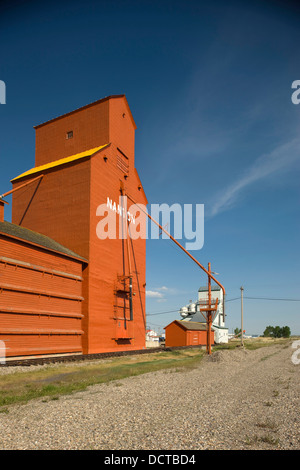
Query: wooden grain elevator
(83, 159)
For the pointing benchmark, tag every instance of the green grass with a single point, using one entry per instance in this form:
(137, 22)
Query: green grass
(51, 382)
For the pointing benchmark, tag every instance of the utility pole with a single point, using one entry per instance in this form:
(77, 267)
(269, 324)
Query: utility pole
(209, 315)
(242, 292)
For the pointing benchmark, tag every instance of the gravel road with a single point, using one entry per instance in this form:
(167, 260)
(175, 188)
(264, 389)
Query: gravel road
(234, 400)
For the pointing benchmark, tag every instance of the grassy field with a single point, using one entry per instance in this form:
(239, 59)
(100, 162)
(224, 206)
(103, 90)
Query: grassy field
(54, 380)
(49, 382)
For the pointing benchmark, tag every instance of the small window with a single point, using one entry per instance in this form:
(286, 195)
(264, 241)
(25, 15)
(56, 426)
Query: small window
(69, 135)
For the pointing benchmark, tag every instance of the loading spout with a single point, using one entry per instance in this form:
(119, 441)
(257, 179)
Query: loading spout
(21, 186)
(185, 251)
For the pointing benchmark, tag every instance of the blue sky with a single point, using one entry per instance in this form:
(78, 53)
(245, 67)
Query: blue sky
(209, 86)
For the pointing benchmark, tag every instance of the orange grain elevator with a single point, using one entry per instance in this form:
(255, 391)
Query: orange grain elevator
(84, 158)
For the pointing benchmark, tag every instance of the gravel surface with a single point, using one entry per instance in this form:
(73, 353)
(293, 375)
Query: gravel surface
(234, 400)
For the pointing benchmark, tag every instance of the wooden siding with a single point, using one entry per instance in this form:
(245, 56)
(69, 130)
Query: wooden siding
(63, 206)
(57, 206)
(177, 335)
(108, 318)
(40, 300)
(90, 128)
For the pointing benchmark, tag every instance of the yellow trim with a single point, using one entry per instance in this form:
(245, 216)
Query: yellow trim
(62, 161)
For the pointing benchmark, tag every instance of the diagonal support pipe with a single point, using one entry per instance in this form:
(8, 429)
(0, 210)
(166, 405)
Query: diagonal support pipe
(184, 250)
(21, 186)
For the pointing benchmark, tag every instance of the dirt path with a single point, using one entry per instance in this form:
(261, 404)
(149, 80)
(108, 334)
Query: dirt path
(233, 400)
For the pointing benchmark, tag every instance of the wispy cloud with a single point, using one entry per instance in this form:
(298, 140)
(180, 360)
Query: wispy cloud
(159, 293)
(154, 294)
(281, 158)
(165, 289)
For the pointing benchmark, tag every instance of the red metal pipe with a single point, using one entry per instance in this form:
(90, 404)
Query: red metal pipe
(208, 318)
(208, 272)
(19, 187)
(129, 259)
(186, 252)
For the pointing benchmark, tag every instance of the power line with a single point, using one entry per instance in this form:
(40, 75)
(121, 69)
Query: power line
(264, 298)
(161, 313)
(154, 324)
(268, 298)
(229, 300)
(173, 311)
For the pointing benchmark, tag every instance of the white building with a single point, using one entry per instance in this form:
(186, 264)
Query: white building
(191, 312)
(152, 339)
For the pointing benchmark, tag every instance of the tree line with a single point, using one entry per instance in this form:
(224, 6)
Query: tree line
(277, 331)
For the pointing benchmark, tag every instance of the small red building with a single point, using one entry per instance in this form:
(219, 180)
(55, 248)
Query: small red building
(186, 333)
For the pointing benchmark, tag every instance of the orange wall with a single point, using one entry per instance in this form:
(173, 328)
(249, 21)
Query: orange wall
(40, 301)
(63, 206)
(198, 337)
(122, 129)
(109, 259)
(175, 336)
(57, 205)
(107, 120)
(90, 128)
(178, 336)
